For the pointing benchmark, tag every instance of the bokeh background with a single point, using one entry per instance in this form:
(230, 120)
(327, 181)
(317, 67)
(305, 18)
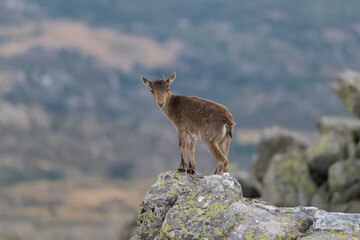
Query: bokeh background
(81, 137)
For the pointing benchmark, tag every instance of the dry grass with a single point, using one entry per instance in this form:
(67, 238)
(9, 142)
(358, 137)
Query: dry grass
(107, 46)
(79, 208)
(86, 199)
(248, 136)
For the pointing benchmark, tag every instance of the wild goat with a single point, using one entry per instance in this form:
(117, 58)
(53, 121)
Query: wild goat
(195, 118)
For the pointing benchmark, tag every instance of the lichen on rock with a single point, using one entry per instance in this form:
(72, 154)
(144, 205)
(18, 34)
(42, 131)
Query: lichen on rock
(181, 206)
(287, 181)
(347, 86)
(159, 199)
(208, 211)
(321, 155)
(276, 140)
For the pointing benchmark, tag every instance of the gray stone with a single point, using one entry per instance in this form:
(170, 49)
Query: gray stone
(321, 197)
(275, 140)
(208, 211)
(159, 199)
(347, 86)
(321, 155)
(259, 220)
(212, 207)
(343, 174)
(339, 125)
(347, 223)
(249, 188)
(287, 181)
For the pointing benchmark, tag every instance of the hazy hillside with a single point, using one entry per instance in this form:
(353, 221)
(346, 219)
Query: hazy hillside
(75, 117)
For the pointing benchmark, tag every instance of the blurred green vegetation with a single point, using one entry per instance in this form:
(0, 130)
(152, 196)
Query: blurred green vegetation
(10, 176)
(269, 62)
(67, 116)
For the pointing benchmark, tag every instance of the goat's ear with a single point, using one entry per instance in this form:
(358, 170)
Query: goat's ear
(146, 81)
(171, 78)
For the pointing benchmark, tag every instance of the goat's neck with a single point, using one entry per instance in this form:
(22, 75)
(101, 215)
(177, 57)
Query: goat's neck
(166, 107)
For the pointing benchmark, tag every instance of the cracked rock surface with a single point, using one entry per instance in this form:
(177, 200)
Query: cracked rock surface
(183, 206)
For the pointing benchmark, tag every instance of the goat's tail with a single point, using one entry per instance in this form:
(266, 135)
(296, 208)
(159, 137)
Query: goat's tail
(229, 128)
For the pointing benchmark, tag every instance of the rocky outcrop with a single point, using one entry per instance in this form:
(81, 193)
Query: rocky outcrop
(326, 174)
(289, 170)
(288, 176)
(275, 140)
(347, 86)
(183, 206)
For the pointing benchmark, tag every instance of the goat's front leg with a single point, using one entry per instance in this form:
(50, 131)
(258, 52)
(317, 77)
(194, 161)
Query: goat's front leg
(191, 151)
(182, 145)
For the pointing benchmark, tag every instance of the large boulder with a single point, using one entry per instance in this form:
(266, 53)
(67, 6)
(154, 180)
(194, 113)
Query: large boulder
(344, 174)
(248, 186)
(321, 155)
(209, 210)
(321, 197)
(347, 129)
(181, 206)
(334, 226)
(159, 199)
(287, 181)
(344, 182)
(344, 126)
(275, 140)
(260, 220)
(347, 86)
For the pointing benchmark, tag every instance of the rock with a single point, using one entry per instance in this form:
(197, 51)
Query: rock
(334, 226)
(181, 206)
(344, 181)
(259, 220)
(347, 86)
(343, 174)
(275, 140)
(321, 197)
(249, 189)
(352, 206)
(287, 181)
(159, 199)
(323, 154)
(346, 128)
(208, 211)
(339, 125)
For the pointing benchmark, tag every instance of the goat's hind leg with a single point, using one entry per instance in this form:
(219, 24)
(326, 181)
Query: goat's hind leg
(214, 149)
(224, 146)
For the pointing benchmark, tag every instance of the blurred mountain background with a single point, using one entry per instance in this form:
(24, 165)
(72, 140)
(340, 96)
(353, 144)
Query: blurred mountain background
(81, 135)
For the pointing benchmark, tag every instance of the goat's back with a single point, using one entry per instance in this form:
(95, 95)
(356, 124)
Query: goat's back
(196, 112)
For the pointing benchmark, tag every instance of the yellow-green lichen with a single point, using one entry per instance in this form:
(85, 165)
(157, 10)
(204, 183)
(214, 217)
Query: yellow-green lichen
(288, 170)
(329, 143)
(253, 235)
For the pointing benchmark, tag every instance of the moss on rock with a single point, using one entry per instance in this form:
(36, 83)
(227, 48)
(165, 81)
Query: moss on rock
(287, 181)
(347, 86)
(206, 212)
(321, 155)
(159, 199)
(275, 140)
(182, 206)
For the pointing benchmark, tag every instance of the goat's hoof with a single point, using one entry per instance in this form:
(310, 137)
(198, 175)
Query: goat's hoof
(181, 170)
(191, 171)
(225, 174)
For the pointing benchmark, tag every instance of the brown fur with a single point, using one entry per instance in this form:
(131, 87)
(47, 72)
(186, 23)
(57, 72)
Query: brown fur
(195, 118)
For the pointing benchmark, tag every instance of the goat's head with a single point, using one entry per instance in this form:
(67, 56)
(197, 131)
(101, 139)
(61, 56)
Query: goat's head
(160, 88)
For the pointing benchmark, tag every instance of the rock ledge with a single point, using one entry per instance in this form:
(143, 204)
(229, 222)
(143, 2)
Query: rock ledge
(182, 206)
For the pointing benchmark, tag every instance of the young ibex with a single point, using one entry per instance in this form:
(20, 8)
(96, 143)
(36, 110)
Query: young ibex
(195, 118)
